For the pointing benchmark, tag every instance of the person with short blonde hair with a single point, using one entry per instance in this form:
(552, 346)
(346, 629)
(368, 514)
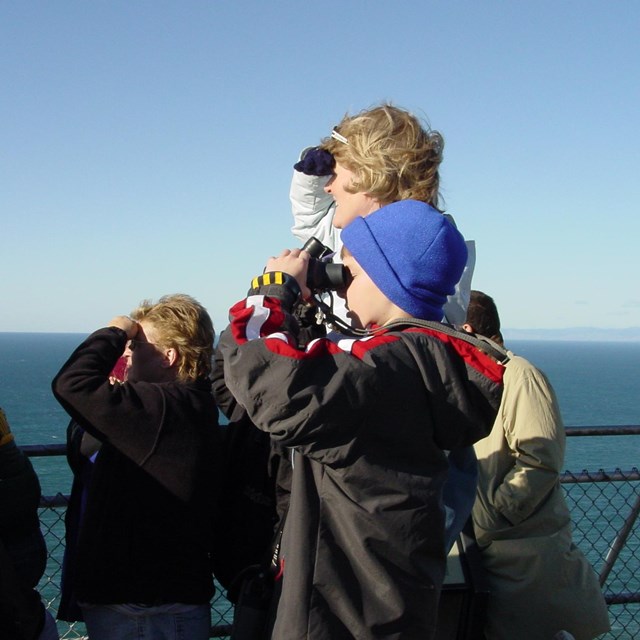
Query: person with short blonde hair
(371, 159)
(182, 323)
(143, 554)
(392, 155)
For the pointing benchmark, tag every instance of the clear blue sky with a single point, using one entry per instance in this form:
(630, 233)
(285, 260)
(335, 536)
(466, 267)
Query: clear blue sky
(147, 146)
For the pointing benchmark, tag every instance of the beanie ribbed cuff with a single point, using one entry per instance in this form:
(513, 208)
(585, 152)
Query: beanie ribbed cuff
(413, 254)
(371, 258)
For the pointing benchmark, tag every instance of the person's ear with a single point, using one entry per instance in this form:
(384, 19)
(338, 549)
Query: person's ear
(468, 328)
(170, 357)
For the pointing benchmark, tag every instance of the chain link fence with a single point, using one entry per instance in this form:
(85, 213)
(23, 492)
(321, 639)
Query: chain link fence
(604, 508)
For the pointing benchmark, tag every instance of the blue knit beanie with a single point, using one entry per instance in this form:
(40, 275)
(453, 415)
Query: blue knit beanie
(412, 252)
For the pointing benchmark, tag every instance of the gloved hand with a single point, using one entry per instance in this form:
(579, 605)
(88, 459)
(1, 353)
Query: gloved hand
(315, 162)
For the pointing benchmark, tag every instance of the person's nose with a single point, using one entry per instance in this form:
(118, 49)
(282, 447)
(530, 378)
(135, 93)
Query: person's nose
(327, 187)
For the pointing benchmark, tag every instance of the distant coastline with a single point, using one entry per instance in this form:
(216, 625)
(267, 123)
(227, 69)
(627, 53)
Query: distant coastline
(576, 334)
(582, 334)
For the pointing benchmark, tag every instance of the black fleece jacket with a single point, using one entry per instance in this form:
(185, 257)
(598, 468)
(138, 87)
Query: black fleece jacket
(147, 531)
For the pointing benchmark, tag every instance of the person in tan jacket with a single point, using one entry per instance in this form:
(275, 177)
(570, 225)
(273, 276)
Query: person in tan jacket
(541, 584)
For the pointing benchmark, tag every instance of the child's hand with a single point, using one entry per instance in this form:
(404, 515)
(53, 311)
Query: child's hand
(315, 162)
(295, 262)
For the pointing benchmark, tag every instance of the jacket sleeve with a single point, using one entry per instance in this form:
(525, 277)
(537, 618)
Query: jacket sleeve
(455, 308)
(312, 209)
(311, 399)
(224, 400)
(535, 434)
(127, 415)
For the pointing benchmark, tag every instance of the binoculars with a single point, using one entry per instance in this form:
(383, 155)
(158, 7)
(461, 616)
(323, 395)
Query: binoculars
(321, 275)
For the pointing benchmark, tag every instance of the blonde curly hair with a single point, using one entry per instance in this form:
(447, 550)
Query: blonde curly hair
(391, 154)
(182, 323)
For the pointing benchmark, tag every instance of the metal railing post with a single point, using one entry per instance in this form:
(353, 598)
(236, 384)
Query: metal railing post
(619, 542)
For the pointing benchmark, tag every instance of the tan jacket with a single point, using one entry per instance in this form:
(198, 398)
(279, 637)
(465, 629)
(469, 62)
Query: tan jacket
(540, 581)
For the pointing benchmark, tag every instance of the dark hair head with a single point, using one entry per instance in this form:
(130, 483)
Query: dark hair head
(482, 315)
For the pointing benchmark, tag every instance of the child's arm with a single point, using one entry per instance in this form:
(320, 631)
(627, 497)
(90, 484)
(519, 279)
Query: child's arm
(311, 399)
(455, 308)
(311, 206)
(293, 393)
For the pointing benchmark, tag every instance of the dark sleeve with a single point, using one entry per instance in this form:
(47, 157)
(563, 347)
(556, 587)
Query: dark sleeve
(128, 415)
(463, 386)
(19, 494)
(21, 609)
(223, 397)
(75, 459)
(312, 399)
(287, 294)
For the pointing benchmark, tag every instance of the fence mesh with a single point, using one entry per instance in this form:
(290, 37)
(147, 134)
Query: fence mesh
(602, 505)
(604, 508)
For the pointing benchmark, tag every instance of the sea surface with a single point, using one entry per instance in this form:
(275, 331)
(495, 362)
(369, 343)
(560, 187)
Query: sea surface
(597, 384)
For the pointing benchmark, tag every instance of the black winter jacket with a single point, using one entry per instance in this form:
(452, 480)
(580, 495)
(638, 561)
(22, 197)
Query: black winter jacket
(146, 533)
(369, 420)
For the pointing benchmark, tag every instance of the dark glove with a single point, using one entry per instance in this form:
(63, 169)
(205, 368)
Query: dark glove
(315, 162)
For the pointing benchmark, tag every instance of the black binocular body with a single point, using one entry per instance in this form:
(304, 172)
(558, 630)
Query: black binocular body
(322, 275)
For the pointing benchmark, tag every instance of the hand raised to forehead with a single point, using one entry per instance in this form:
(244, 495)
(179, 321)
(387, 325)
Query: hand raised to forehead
(127, 324)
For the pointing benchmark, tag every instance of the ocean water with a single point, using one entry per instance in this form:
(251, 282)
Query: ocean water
(597, 384)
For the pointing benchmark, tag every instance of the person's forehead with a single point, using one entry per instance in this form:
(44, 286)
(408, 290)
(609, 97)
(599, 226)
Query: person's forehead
(148, 330)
